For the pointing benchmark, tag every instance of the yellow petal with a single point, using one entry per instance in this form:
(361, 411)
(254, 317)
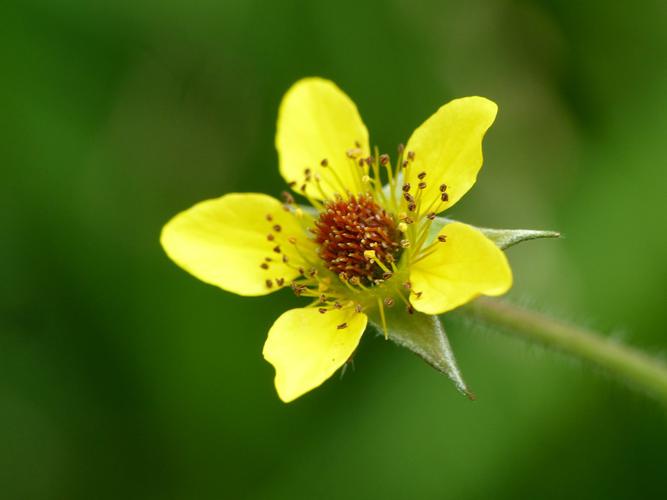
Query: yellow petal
(317, 122)
(448, 147)
(466, 265)
(307, 347)
(225, 242)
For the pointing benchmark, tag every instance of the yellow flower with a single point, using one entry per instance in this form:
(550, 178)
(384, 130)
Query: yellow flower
(362, 247)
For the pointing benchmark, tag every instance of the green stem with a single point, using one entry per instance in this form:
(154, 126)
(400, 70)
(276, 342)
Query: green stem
(627, 363)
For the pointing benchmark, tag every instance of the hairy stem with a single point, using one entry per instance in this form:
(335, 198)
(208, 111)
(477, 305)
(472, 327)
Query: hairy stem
(627, 363)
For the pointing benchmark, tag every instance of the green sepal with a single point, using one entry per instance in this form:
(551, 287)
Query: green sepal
(503, 238)
(425, 336)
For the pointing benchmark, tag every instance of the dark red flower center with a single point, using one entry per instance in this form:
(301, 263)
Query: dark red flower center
(348, 228)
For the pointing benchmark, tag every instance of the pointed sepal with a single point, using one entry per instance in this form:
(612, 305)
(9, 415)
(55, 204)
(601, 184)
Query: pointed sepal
(425, 336)
(503, 238)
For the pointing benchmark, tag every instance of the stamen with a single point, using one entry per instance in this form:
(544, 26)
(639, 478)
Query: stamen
(370, 255)
(383, 318)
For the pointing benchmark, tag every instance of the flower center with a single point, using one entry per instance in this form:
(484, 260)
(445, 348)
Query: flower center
(348, 230)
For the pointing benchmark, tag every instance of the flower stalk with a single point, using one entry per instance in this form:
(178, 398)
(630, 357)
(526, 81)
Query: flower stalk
(629, 364)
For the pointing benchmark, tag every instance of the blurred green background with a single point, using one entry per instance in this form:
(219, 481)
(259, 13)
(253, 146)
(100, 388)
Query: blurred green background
(123, 377)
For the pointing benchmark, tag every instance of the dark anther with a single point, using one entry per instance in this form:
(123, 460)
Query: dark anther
(417, 294)
(270, 237)
(269, 217)
(443, 188)
(322, 310)
(264, 265)
(388, 301)
(291, 184)
(356, 143)
(408, 197)
(324, 162)
(384, 159)
(276, 249)
(289, 199)
(422, 185)
(406, 187)
(442, 238)
(404, 164)
(358, 308)
(411, 310)
(277, 228)
(269, 284)
(421, 175)
(387, 275)
(407, 285)
(285, 259)
(411, 155)
(312, 272)
(338, 305)
(401, 147)
(412, 207)
(342, 326)
(444, 196)
(431, 216)
(307, 172)
(280, 281)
